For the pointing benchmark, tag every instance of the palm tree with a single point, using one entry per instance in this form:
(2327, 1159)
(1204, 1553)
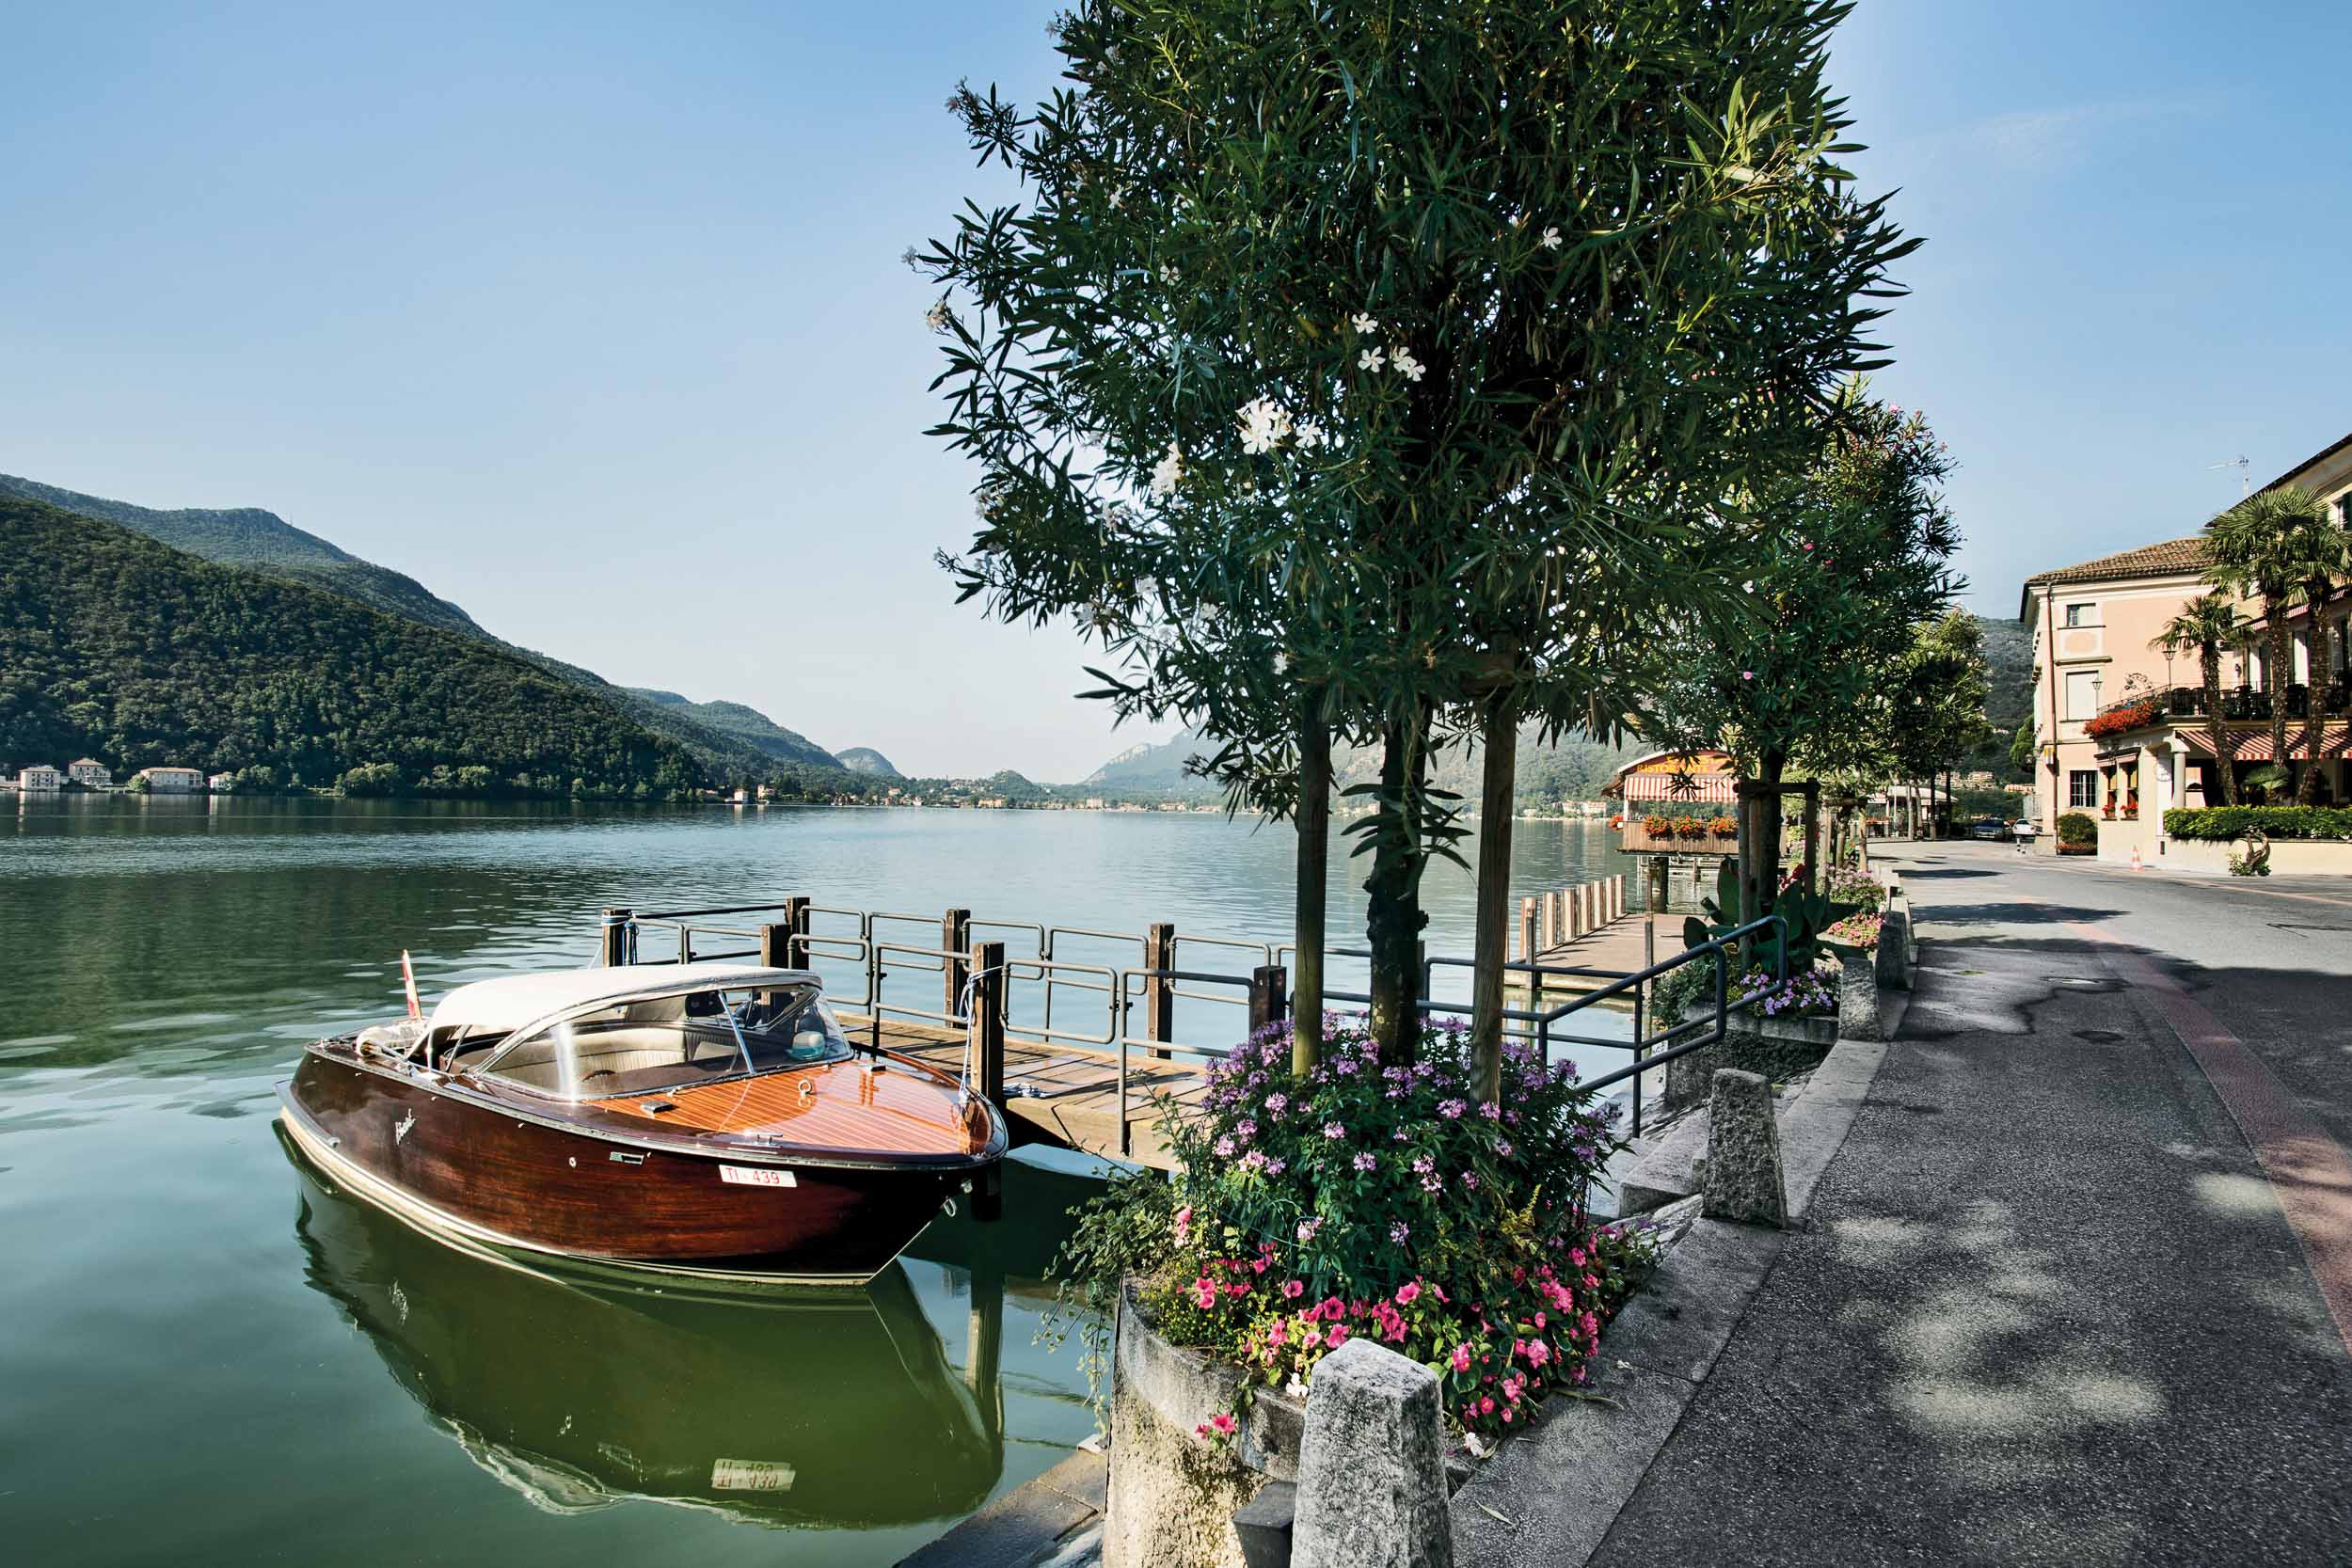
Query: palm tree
(2209, 624)
(2324, 551)
(2265, 547)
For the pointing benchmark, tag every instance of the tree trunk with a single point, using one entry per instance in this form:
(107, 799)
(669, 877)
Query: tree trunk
(2216, 730)
(2280, 662)
(2315, 710)
(1393, 914)
(1314, 859)
(1499, 731)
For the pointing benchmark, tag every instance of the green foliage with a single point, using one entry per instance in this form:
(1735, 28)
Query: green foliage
(2077, 829)
(1127, 1229)
(2221, 824)
(2020, 751)
(1934, 715)
(114, 646)
(1790, 948)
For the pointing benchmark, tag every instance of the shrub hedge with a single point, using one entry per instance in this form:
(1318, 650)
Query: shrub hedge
(2224, 823)
(2078, 828)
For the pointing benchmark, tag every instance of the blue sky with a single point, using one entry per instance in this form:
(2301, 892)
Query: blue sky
(592, 318)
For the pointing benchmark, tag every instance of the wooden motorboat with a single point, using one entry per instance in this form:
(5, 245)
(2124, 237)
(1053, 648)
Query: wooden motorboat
(709, 1119)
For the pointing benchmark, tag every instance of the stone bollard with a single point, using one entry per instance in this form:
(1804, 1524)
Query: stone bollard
(1894, 970)
(1372, 1491)
(1858, 999)
(1742, 1179)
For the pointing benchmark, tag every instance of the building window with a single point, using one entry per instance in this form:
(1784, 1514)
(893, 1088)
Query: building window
(2083, 614)
(2082, 693)
(2082, 789)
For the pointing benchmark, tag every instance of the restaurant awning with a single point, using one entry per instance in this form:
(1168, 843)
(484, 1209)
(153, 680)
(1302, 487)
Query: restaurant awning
(2254, 746)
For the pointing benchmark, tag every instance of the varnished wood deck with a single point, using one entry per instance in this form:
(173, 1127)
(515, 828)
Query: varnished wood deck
(1077, 1103)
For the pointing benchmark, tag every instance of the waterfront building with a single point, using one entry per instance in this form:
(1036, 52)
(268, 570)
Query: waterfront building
(39, 779)
(89, 774)
(2120, 730)
(172, 781)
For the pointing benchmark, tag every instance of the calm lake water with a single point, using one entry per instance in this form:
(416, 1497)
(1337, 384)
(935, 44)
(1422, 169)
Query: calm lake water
(210, 1355)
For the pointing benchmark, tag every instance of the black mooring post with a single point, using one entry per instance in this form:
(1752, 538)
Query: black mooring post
(1269, 996)
(613, 938)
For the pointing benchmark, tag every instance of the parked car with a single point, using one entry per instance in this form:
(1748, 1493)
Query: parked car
(1991, 827)
(2023, 829)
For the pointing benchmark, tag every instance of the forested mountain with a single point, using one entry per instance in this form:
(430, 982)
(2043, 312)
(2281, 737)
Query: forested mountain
(747, 724)
(864, 759)
(2008, 678)
(728, 740)
(248, 536)
(1569, 769)
(116, 646)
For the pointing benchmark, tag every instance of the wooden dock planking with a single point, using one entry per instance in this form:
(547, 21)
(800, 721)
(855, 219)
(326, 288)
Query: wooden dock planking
(1617, 949)
(1079, 1108)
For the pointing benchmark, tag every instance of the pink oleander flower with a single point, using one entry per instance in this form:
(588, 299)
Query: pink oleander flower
(1183, 1224)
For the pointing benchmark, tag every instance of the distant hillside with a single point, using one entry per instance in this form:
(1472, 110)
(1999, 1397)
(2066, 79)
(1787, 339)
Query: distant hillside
(747, 724)
(2008, 670)
(864, 759)
(247, 536)
(114, 646)
(1012, 786)
(728, 740)
(1568, 771)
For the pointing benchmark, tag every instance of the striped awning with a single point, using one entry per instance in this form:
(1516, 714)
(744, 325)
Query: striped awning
(1679, 787)
(2254, 746)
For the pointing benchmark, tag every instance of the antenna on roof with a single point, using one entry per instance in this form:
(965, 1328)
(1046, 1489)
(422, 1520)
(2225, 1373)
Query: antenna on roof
(2241, 465)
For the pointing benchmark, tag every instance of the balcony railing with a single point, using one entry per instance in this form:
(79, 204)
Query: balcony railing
(2241, 704)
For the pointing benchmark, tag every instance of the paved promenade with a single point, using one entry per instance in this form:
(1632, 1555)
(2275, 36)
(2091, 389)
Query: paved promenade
(2077, 1288)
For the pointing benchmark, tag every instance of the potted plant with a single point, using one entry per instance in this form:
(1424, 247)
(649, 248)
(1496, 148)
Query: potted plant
(2078, 834)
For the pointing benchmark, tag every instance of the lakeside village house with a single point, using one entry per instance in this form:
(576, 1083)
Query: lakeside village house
(89, 774)
(2121, 730)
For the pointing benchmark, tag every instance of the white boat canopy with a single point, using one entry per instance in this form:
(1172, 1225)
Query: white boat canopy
(503, 1006)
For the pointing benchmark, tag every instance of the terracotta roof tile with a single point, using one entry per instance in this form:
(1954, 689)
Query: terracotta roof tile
(2149, 561)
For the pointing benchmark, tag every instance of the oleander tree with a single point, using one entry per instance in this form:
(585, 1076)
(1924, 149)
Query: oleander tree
(1806, 663)
(1337, 363)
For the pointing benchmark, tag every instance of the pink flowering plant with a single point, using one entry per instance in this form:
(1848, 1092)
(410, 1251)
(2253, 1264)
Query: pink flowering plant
(1388, 1203)
(1858, 930)
(1808, 993)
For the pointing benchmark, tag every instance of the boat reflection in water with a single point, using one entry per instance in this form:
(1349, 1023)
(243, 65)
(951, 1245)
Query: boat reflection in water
(821, 1408)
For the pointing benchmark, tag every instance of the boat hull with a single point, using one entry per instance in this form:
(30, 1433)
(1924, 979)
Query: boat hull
(461, 1165)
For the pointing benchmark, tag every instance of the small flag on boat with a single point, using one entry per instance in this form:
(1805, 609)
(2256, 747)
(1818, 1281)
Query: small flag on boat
(408, 977)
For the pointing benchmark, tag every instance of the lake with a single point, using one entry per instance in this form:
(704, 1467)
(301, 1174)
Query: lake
(212, 1356)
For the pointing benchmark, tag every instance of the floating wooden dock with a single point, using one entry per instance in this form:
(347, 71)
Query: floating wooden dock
(1061, 1094)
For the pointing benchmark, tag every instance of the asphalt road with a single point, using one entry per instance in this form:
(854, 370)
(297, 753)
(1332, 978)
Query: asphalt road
(2051, 1304)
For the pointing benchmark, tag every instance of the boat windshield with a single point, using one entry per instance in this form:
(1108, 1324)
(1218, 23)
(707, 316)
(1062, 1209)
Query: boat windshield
(667, 1043)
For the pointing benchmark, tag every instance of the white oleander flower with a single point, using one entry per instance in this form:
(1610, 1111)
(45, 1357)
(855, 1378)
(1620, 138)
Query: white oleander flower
(1264, 424)
(1119, 199)
(1167, 275)
(1406, 366)
(1370, 359)
(1363, 323)
(1168, 472)
(1311, 434)
(1551, 240)
(936, 318)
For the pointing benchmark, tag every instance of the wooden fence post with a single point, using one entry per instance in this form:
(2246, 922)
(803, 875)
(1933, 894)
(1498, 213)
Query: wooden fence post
(1159, 992)
(613, 938)
(955, 939)
(1527, 931)
(988, 1019)
(1269, 996)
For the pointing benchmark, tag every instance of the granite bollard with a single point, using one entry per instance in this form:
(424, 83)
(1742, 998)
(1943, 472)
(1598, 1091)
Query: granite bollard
(1372, 1486)
(1858, 999)
(1742, 1180)
(1894, 951)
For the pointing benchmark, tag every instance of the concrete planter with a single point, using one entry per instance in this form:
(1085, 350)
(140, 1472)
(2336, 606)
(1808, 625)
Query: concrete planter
(1771, 1046)
(1173, 1497)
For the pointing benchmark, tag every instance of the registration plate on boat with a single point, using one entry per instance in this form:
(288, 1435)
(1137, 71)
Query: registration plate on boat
(750, 1475)
(756, 1176)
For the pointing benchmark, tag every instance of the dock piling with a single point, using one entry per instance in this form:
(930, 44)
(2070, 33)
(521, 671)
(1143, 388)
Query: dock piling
(1159, 992)
(1269, 996)
(955, 939)
(987, 1020)
(613, 938)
